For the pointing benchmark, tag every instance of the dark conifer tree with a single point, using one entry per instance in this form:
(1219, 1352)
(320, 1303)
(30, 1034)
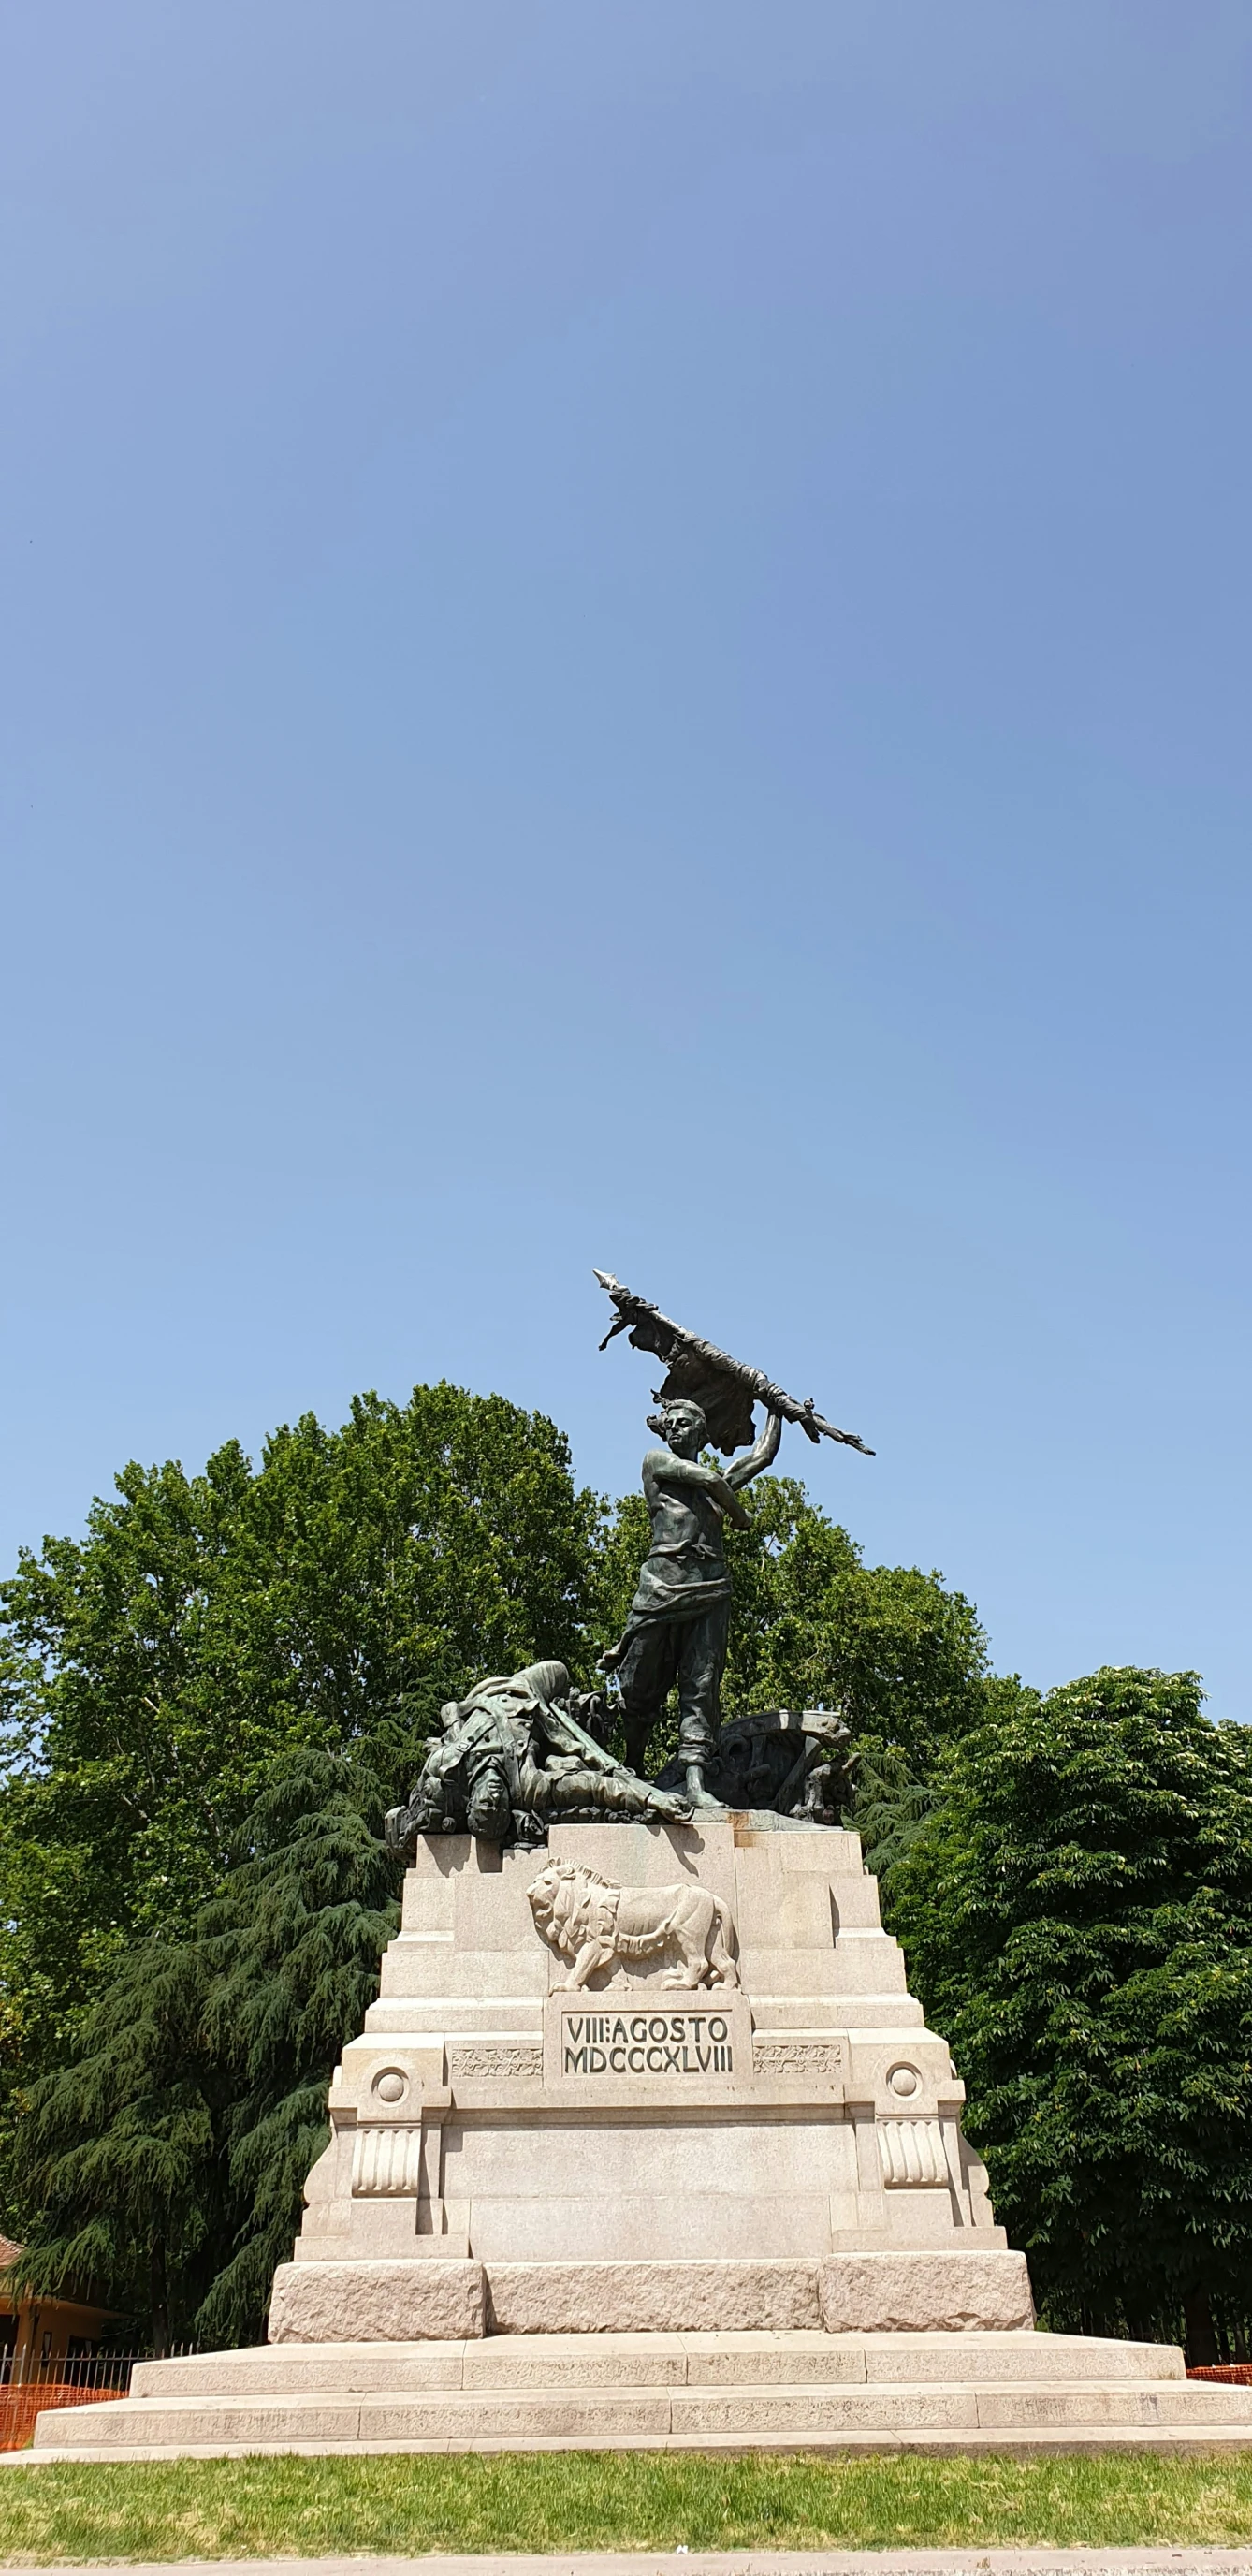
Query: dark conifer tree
(292, 1948)
(119, 2158)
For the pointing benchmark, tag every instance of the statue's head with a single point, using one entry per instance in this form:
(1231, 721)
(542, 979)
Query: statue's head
(682, 1425)
(488, 1813)
(549, 1682)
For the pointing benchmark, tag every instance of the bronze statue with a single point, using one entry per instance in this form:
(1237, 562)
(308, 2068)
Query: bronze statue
(522, 1748)
(514, 1754)
(724, 1389)
(680, 1616)
(795, 1764)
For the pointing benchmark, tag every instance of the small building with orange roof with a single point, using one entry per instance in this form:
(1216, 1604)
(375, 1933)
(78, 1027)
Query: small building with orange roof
(36, 2332)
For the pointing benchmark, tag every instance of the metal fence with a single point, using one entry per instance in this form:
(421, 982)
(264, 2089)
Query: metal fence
(29, 2384)
(106, 2372)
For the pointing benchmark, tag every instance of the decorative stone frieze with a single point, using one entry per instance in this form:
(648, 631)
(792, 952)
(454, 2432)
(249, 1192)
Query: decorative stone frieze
(479, 2061)
(820, 2057)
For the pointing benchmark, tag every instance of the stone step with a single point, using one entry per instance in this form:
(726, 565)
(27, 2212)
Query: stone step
(631, 2410)
(1179, 2441)
(623, 2416)
(1209, 2440)
(658, 2360)
(684, 2391)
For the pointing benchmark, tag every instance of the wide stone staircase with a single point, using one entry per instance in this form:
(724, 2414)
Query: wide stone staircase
(1013, 2392)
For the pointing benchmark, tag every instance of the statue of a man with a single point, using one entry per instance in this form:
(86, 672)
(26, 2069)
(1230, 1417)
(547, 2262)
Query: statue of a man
(680, 1616)
(514, 1755)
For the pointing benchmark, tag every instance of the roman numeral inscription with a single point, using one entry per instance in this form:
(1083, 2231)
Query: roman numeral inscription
(659, 2043)
(613, 2045)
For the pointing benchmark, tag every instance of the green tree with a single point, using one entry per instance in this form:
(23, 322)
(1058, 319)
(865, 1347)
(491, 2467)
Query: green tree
(209, 1625)
(290, 1953)
(171, 1684)
(164, 2160)
(118, 2158)
(813, 1626)
(1076, 1911)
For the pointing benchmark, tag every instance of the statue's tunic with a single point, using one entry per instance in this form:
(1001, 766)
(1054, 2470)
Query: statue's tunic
(679, 1620)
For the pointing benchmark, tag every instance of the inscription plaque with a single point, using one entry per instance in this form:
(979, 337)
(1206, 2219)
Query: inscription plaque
(662, 2043)
(640, 2042)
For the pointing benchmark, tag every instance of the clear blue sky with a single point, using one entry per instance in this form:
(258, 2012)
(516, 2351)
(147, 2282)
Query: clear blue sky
(626, 641)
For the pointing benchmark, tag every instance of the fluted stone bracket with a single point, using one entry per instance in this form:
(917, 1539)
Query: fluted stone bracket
(387, 2161)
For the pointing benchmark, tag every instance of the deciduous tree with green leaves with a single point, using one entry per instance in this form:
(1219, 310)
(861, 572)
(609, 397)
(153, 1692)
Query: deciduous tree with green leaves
(207, 1630)
(813, 1626)
(210, 1700)
(1076, 1911)
(208, 1625)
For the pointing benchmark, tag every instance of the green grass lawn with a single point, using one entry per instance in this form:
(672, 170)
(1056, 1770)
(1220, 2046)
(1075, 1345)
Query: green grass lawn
(608, 2500)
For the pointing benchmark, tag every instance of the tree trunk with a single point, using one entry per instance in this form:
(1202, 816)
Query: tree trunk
(1201, 2340)
(160, 2298)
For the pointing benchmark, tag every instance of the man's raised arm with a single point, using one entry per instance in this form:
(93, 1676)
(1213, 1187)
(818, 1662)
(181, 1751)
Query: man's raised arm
(763, 1455)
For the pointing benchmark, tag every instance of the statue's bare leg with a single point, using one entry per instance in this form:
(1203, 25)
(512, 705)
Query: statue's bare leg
(701, 1656)
(637, 1730)
(696, 1791)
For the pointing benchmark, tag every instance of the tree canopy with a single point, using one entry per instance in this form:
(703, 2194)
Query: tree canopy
(210, 1699)
(1076, 1910)
(212, 1696)
(814, 1627)
(208, 1625)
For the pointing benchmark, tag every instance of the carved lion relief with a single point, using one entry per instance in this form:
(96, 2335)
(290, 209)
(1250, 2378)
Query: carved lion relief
(592, 1923)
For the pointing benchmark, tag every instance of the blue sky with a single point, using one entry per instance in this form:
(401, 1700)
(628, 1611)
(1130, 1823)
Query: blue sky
(626, 641)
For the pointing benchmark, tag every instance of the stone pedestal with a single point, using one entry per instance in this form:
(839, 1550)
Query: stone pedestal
(509, 2155)
(733, 2213)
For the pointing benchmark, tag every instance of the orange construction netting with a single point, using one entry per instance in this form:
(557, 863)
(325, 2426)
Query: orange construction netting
(20, 2406)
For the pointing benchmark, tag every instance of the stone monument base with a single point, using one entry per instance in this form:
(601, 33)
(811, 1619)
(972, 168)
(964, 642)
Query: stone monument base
(866, 2292)
(646, 2144)
(1016, 2393)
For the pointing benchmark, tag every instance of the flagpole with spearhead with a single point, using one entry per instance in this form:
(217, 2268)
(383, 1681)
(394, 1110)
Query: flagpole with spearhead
(694, 1362)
